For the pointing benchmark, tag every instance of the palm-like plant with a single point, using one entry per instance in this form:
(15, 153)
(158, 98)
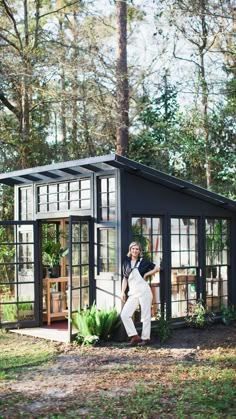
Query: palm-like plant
(93, 324)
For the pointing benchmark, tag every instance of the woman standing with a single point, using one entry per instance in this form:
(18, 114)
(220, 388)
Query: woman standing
(135, 272)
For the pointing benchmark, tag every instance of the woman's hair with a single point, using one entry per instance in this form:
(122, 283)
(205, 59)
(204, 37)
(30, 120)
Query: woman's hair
(135, 244)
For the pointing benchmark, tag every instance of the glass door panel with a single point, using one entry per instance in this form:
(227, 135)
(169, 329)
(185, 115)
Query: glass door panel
(184, 265)
(79, 265)
(17, 272)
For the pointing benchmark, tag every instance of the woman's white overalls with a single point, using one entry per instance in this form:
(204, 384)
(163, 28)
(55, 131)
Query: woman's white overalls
(139, 294)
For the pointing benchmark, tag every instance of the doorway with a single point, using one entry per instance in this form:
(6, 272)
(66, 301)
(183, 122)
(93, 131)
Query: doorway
(70, 288)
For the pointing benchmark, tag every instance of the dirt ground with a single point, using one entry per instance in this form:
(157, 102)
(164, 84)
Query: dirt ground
(79, 373)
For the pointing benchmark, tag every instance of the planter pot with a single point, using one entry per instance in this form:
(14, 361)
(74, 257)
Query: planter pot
(54, 272)
(56, 301)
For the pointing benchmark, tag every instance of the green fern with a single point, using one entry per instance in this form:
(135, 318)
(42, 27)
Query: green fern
(93, 322)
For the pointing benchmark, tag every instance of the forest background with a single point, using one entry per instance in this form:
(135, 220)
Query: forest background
(60, 81)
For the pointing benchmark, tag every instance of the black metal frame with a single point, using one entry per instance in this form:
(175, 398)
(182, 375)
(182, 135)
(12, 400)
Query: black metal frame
(37, 271)
(73, 219)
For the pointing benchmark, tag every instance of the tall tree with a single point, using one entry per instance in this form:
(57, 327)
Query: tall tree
(122, 87)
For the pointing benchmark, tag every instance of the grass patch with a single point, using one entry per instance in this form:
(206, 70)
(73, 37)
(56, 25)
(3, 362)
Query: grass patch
(196, 392)
(17, 352)
(124, 384)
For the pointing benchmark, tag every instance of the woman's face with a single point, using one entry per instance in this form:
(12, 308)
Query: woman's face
(135, 251)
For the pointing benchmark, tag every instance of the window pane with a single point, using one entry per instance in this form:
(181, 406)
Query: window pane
(52, 207)
(63, 206)
(84, 232)
(104, 185)
(42, 208)
(63, 187)
(85, 184)
(107, 250)
(52, 189)
(107, 199)
(111, 184)
(104, 200)
(74, 186)
(75, 232)
(52, 198)
(74, 205)
(74, 196)
(85, 204)
(42, 190)
(85, 194)
(112, 199)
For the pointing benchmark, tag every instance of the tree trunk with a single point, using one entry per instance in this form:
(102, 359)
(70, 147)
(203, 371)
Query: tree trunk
(25, 97)
(63, 96)
(122, 88)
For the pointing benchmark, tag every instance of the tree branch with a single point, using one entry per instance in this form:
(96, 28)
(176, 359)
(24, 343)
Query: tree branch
(60, 8)
(12, 108)
(185, 59)
(10, 15)
(10, 43)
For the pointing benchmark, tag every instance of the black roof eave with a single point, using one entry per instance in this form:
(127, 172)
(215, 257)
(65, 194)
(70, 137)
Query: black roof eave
(112, 161)
(177, 184)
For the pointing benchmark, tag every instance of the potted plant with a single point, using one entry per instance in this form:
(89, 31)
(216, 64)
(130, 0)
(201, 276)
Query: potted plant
(52, 254)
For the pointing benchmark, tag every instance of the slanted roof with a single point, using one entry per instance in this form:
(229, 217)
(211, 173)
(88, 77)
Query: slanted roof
(59, 171)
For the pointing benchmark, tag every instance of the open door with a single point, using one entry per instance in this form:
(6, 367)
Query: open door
(81, 266)
(19, 274)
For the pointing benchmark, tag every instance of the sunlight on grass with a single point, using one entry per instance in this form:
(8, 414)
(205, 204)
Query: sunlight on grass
(17, 352)
(127, 387)
(200, 389)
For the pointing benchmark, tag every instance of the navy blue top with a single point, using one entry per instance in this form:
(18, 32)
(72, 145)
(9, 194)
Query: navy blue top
(144, 266)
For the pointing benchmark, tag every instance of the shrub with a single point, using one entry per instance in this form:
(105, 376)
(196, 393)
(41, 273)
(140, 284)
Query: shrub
(228, 314)
(163, 329)
(94, 325)
(198, 316)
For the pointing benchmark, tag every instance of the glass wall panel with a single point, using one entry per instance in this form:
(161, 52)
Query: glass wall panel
(107, 199)
(217, 263)
(107, 237)
(64, 196)
(184, 263)
(26, 203)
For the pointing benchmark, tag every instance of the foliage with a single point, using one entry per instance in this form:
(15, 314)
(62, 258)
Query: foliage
(94, 324)
(228, 314)
(25, 305)
(137, 235)
(58, 87)
(216, 239)
(163, 328)
(11, 310)
(52, 250)
(159, 128)
(198, 316)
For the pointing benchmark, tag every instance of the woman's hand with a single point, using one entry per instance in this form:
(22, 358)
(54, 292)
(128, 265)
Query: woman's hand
(123, 297)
